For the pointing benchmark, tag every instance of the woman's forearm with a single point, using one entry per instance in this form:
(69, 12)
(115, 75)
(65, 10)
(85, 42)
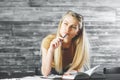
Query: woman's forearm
(48, 57)
(47, 64)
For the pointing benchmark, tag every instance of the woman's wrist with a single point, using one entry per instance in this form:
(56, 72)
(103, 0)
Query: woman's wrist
(50, 50)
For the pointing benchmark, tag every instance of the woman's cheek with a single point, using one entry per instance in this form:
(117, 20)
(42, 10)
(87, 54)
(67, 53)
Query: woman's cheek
(62, 31)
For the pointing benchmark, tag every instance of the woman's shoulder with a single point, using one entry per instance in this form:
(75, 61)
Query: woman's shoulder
(46, 41)
(50, 37)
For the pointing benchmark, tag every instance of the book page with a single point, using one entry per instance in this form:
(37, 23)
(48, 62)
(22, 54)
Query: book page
(90, 71)
(51, 77)
(69, 77)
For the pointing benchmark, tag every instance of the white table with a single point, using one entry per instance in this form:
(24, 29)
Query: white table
(27, 78)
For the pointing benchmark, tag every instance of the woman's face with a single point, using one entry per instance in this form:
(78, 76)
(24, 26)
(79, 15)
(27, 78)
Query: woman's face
(69, 26)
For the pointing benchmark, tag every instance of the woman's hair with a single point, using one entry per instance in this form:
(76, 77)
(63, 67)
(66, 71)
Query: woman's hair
(81, 46)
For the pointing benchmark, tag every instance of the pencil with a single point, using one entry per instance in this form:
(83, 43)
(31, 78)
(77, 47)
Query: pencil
(64, 35)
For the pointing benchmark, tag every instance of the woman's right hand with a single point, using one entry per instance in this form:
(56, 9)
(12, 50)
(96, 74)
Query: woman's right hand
(55, 43)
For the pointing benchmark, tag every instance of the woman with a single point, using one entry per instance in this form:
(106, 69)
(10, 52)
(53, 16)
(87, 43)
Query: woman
(67, 50)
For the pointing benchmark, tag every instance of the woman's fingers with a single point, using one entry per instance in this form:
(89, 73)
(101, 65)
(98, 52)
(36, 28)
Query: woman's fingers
(56, 42)
(71, 72)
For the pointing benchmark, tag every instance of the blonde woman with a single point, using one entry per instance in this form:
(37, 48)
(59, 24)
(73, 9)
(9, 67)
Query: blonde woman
(67, 50)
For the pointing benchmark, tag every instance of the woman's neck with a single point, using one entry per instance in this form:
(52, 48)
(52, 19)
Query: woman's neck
(66, 44)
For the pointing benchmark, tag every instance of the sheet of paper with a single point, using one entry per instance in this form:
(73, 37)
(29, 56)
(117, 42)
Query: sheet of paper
(50, 77)
(90, 71)
(69, 77)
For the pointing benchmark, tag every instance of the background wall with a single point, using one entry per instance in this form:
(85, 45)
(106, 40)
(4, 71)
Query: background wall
(24, 23)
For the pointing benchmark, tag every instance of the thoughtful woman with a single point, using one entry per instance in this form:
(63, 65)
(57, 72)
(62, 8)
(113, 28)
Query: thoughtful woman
(68, 49)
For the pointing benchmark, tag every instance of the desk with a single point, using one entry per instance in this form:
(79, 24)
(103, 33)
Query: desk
(37, 78)
(25, 78)
(112, 76)
(94, 77)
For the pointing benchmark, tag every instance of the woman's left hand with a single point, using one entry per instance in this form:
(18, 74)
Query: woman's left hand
(71, 72)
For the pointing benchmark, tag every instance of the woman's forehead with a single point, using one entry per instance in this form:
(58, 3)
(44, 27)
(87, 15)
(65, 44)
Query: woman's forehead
(71, 19)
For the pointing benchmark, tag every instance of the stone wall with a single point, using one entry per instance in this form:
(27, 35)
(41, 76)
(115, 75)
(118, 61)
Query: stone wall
(24, 23)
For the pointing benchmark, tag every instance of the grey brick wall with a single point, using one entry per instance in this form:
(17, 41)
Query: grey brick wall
(24, 23)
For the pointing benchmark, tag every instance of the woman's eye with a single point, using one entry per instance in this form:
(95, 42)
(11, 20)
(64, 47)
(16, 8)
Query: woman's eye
(73, 27)
(65, 23)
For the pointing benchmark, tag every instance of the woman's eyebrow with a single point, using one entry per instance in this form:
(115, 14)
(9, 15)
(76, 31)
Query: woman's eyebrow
(65, 21)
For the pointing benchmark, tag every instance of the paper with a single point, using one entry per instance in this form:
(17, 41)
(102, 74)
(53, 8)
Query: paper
(69, 77)
(90, 71)
(51, 77)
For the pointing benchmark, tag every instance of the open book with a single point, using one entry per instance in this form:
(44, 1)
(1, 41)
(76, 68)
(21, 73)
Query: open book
(81, 75)
(72, 76)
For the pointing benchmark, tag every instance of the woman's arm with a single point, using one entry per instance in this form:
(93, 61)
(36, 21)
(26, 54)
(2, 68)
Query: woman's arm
(47, 59)
(47, 55)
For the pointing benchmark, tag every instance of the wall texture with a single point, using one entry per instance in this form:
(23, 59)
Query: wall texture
(24, 23)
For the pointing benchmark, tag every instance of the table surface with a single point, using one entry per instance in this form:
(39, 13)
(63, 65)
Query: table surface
(107, 76)
(27, 78)
(32, 78)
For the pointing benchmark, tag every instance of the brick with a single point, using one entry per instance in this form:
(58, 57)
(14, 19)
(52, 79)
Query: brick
(13, 4)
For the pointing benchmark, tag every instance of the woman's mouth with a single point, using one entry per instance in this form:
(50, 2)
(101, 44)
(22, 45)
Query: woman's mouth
(65, 35)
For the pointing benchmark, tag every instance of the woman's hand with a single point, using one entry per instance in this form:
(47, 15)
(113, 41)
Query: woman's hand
(71, 72)
(55, 43)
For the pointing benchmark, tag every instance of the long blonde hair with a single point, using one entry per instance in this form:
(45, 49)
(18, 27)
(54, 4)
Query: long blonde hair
(81, 43)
